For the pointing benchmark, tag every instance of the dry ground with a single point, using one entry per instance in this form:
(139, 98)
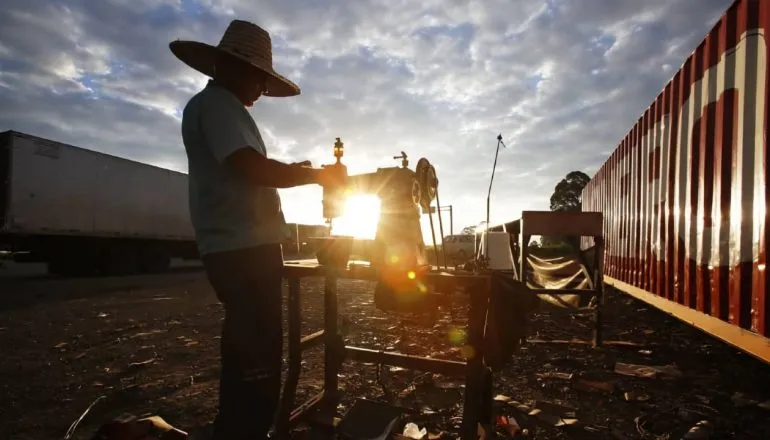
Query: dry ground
(150, 344)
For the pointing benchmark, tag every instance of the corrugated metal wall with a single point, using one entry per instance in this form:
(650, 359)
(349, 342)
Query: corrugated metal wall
(684, 194)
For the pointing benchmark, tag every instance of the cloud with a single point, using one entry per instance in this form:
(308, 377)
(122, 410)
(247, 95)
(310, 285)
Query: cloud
(562, 80)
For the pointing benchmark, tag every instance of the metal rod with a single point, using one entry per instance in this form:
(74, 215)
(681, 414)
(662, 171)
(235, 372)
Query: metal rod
(433, 236)
(591, 292)
(440, 366)
(311, 340)
(304, 409)
(489, 193)
(451, 218)
(441, 228)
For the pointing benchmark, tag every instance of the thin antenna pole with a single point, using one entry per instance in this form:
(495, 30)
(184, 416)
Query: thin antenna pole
(489, 194)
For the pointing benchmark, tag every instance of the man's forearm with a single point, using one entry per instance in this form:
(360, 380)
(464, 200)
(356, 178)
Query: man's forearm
(258, 170)
(280, 175)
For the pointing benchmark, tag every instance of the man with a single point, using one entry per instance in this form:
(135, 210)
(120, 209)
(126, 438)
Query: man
(239, 224)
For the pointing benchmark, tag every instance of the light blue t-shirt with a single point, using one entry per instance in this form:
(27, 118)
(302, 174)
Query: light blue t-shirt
(227, 213)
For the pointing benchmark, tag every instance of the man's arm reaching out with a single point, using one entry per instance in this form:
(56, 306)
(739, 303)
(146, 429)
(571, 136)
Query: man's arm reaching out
(253, 167)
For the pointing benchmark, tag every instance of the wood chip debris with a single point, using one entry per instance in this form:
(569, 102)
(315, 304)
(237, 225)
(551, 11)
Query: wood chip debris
(141, 363)
(647, 371)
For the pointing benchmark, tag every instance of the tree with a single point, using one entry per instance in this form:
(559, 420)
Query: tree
(568, 194)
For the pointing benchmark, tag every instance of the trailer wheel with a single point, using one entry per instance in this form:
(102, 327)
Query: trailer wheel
(76, 264)
(154, 260)
(119, 260)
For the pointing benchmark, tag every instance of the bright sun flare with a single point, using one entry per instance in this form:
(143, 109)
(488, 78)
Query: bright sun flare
(360, 218)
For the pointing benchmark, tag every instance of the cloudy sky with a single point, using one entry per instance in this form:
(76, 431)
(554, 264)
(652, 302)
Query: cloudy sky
(561, 80)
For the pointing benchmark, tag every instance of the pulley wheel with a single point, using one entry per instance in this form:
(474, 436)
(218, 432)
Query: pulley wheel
(426, 175)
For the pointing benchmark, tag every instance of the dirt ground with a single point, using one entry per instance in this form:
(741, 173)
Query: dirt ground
(150, 345)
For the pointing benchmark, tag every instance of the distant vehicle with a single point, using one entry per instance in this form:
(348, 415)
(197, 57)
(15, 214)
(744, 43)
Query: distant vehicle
(89, 213)
(459, 247)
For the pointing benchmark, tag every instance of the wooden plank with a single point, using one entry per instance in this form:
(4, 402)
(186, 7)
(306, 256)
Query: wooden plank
(750, 342)
(567, 223)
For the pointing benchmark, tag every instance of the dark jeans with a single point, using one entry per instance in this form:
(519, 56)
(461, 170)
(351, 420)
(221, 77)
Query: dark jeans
(248, 283)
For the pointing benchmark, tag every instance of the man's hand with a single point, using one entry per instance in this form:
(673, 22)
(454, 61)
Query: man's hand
(258, 170)
(333, 175)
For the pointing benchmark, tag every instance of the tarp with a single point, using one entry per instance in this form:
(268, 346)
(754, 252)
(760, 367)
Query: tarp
(557, 273)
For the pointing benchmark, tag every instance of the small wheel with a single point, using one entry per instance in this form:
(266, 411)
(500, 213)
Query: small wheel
(426, 175)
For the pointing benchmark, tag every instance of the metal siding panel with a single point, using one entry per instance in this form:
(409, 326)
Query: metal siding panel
(762, 200)
(740, 293)
(636, 217)
(662, 204)
(621, 213)
(627, 209)
(652, 185)
(705, 187)
(644, 179)
(60, 189)
(624, 188)
(684, 194)
(672, 206)
(629, 215)
(724, 139)
(642, 183)
(628, 252)
(681, 183)
(693, 138)
(610, 203)
(50, 188)
(6, 139)
(615, 206)
(752, 204)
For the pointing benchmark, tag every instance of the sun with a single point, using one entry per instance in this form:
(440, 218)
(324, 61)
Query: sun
(360, 217)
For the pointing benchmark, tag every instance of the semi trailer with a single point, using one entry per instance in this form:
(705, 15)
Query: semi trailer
(684, 194)
(88, 213)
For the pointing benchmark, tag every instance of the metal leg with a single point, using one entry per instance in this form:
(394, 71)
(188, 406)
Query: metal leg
(599, 288)
(295, 360)
(485, 414)
(331, 351)
(598, 337)
(474, 379)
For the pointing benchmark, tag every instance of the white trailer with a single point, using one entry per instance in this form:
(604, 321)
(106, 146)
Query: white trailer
(86, 212)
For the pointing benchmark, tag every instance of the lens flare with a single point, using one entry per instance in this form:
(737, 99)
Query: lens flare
(457, 336)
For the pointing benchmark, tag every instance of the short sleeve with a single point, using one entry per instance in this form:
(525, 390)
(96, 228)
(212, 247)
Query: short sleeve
(225, 125)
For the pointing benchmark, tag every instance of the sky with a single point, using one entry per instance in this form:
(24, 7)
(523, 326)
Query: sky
(561, 80)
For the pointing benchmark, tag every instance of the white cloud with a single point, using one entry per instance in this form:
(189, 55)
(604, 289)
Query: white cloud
(562, 80)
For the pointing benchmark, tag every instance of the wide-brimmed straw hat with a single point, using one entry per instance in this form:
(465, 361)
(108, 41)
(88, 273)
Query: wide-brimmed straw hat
(245, 41)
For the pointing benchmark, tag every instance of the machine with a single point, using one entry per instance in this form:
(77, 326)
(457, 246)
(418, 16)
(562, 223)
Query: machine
(398, 251)
(406, 283)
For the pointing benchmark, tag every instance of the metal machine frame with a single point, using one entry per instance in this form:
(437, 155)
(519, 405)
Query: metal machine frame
(478, 393)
